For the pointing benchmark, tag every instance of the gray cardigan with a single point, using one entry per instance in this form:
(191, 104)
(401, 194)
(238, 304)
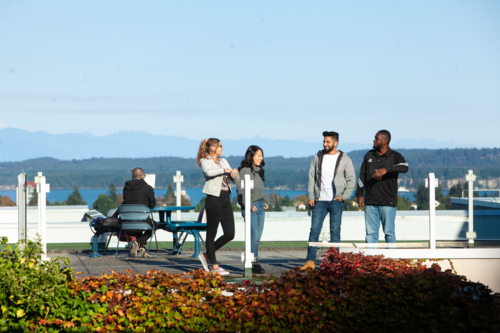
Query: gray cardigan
(344, 178)
(213, 175)
(257, 192)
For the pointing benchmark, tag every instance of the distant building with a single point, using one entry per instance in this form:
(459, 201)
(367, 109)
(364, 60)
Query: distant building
(31, 189)
(481, 203)
(301, 206)
(185, 195)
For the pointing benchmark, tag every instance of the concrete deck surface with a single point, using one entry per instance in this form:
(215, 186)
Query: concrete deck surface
(273, 261)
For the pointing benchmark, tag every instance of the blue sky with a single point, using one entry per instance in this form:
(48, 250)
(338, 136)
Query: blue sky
(279, 70)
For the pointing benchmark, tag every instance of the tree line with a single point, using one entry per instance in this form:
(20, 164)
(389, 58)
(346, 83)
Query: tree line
(285, 173)
(104, 202)
(418, 158)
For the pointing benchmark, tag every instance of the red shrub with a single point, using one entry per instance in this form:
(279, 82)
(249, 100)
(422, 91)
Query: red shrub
(344, 265)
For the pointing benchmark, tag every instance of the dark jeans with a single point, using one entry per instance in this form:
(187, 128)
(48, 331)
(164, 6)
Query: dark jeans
(320, 209)
(218, 210)
(142, 236)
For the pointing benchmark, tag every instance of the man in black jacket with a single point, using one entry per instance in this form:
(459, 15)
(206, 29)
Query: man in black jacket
(378, 181)
(137, 191)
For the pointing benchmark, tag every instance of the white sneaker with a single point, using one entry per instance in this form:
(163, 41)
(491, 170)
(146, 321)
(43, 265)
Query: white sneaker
(220, 270)
(143, 253)
(133, 249)
(204, 262)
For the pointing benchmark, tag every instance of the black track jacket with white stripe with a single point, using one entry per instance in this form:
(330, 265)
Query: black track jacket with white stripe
(382, 192)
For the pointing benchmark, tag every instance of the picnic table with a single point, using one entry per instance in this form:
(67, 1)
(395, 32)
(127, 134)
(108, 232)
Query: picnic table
(165, 223)
(176, 227)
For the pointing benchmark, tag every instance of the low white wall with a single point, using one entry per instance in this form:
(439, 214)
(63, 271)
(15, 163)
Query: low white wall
(410, 225)
(64, 225)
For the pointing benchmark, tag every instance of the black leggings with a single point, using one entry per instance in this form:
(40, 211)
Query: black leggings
(218, 210)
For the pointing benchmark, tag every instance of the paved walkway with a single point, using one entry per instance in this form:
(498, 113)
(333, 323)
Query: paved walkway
(273, 261)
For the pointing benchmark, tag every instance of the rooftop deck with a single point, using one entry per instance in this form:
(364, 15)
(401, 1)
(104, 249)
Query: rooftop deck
(274, 260)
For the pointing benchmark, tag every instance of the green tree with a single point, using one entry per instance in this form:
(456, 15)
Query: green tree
(441, 198)
(34, 200)
(456, 191)
(348, 206)
(422, 197)
(112, 193)
(277, 205)
(235, 206)
(200, 204)
(75, 198)
(287, 202)
(170, 198)
(475, 194)
(439, 194)
(103, 204)
(404, 203)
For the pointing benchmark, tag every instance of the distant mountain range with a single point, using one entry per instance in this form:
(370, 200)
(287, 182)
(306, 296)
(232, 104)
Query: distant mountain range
(19, 145)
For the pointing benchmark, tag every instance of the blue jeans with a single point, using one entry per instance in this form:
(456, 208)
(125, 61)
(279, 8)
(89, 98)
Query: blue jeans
(319, 211)
(256, 225)
(376, 214)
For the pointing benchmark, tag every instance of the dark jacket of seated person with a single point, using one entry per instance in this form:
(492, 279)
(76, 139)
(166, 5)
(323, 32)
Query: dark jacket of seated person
(137, 191)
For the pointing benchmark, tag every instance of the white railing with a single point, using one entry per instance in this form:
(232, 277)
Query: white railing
(247, 185)
(401, 250)
(22, 203)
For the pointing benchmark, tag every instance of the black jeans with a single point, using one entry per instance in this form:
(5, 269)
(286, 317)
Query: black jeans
(218, 210)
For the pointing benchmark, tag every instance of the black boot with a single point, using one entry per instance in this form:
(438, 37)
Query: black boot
(257, 268)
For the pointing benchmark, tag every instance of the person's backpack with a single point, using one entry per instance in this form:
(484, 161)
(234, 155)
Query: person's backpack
(109, 222)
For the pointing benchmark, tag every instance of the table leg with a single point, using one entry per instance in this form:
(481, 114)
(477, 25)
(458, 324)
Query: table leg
(196, 244)
(175, 240)
(161, 214)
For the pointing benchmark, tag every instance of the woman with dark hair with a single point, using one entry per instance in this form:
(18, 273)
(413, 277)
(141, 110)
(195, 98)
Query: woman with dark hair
(253, 165)
(217, 187)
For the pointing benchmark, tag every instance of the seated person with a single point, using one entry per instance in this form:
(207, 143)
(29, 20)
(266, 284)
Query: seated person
(137, 191)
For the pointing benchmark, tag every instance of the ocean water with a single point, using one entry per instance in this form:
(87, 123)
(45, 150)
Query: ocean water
(90, 195)
(195, 194)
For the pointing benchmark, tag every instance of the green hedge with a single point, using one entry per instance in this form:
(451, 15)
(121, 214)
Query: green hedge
(352, 293)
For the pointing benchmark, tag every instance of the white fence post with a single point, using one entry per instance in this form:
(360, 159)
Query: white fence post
(471, 235)
(42, 188)
(247, 185)
(178, 179)
(432, 183)
(22, 198)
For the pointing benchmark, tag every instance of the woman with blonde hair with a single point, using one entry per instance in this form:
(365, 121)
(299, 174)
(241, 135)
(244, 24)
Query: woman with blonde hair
(218, 175)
